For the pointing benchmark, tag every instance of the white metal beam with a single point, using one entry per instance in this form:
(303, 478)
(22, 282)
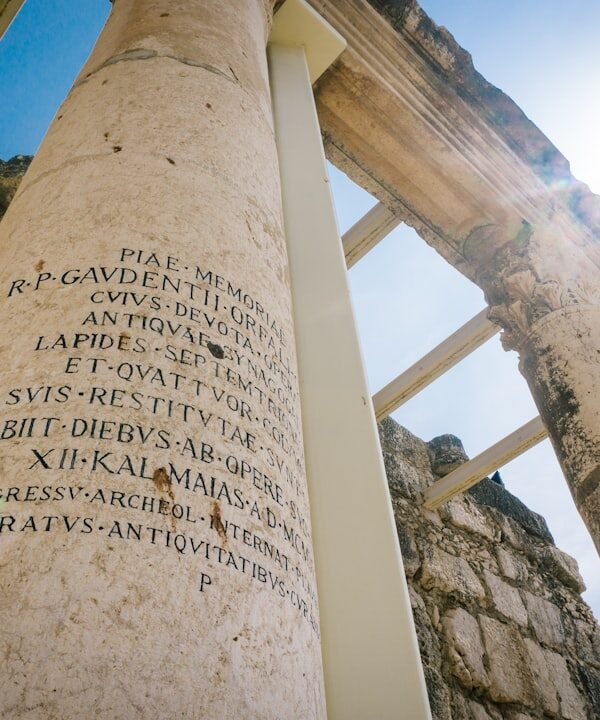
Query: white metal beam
(8, 11)
(447, 354)
(367, 232)
(491, 459)
(370, 653)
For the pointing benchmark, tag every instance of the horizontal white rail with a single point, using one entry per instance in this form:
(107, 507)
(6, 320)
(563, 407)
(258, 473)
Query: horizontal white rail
(447, 354)
(367, 232)
(481, 466)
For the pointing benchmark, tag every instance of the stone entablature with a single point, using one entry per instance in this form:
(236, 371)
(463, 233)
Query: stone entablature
(502, 628)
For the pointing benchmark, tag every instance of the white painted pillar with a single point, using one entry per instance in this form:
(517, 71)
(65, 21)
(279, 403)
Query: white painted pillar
(370, 653)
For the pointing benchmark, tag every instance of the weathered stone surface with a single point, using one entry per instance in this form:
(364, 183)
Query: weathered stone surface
(453, 646)
(564, 567)
(590, 679)
(409, 550)
(545, 620)
(416, 601)
(465, 515)
(428, 638)
(446, 453)
(509, 675)
(511, 566)
(439, 695)
(478, 712)
(587, 642)
(398, 439)
(460, 709)
(402, 476)
(493, 495)
(506, 598)
(544, 682)
(465, 649)
(11, 174)
(449, 574)
(572, 706)
(511, 533)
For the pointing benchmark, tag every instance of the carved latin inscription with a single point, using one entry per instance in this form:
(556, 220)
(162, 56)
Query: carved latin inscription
(170, 422)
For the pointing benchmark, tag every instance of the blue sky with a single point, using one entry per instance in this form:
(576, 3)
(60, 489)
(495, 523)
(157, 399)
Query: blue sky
(545, 54)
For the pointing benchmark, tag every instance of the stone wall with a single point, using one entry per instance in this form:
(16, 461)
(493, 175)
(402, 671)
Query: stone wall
(502, 627)
(11, 174)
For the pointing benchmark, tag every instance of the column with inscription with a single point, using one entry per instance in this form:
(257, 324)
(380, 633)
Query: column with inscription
(155, 544)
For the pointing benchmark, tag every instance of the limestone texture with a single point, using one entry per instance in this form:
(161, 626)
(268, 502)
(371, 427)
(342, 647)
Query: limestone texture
(506, 598)
(503, 631)
(465, 648)
(545, 620)
(11, 174)
(155, 547)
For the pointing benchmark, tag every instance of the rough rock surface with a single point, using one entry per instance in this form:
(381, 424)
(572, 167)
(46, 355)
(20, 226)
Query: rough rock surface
(503, 631)
(11, 173)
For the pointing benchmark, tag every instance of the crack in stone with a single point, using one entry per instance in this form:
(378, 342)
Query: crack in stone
(146, 54)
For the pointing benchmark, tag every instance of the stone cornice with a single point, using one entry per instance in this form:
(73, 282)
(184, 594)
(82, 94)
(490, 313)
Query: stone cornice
(406, 115)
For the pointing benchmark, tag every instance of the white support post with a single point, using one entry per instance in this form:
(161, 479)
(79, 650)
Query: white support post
(367, 232)
(370, 653)
(447, 354)
(480, 466)
(8, 12)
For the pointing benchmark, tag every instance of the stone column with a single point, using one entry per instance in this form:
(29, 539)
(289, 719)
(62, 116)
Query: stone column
(154, 532)
(544, 289)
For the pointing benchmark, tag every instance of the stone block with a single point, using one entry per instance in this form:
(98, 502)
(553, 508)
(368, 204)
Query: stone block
(416, 601)
(572, 706)
(460, 709)
(590, 680)
(446, 453)
(512, 534)
(544, 683)
(450, 574)
(465, 515)
(506, 599)
(493, 495)
(545, 620)
(587, 642)
(408, 548)
(432, 517)
(465, 648)
(429, 642)
(494, 713)
(562, 566)
(397, 439)
(508, 668)
(478, 712)
(402, 477)
(439, 695)
(511, 566)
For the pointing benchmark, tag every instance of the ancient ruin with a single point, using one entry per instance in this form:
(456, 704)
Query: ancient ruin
(502, 628)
